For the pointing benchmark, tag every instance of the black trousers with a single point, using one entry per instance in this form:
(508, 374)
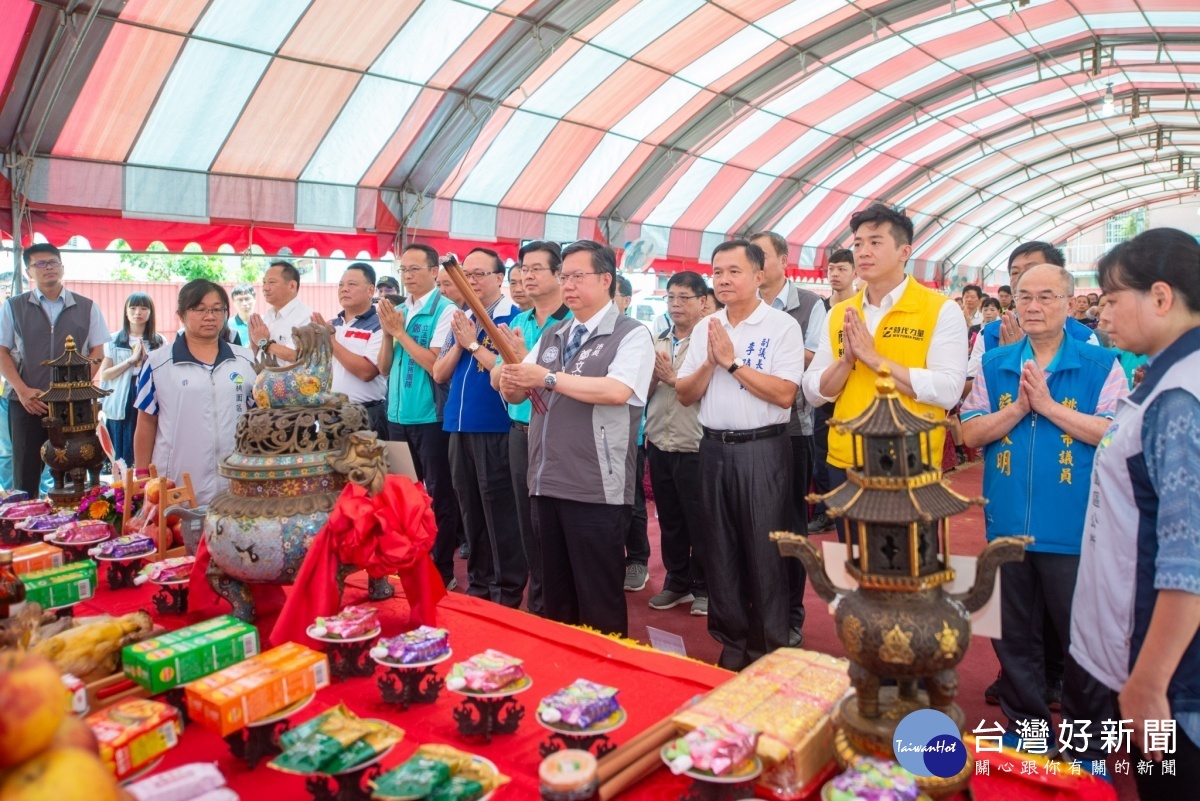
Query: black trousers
(28, 434)
(746, 492)
(429, 445)
(821, 482)
(837, 477)
(637, 543)
(802, 471)
(675, 478)
(1179, 786)
(483, 482)
(583, 562)
(377, 418)
(1043, 584)
(518, 464)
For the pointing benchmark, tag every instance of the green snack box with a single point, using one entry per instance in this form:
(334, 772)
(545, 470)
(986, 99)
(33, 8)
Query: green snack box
(61, 586)
(186, 655)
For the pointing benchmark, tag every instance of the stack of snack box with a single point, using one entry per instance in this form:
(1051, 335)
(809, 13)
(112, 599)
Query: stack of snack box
(134, 732)
(61, 586)
(38, 556)
(190, 653)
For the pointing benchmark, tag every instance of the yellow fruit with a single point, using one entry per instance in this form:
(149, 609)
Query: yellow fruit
(33, 704)
(61, 774)
(74, 733)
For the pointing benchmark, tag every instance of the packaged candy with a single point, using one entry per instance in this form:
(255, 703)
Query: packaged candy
(351, 622)
(580, 704)
(334, 734)
(380, 737)
(133, 732)
(83, 531)
(178, 784)
(715, 747)
(872, 779)
(21, 510)
(457, 760)
(486, 672)
(416, 778)
(12, 496)
(50, 522)
(457, 789)
(422, 644)
(294, 735)
(174, 569)
(125, 547)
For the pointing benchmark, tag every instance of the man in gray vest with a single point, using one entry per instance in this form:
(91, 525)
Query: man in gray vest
(34, 327)
(807, 309)
(593, 374)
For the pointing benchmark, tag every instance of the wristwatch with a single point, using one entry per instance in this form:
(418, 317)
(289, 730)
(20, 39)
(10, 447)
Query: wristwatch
(264, 344)
(733, 367)
(551, 380)
(474, 346)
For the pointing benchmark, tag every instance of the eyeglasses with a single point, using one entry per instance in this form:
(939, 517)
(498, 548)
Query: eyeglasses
(217, 312)
(571, 278)
(1043, 298)
(526, 270)
(480, 275)
(413, 270)
(41, 265)
(680, 298)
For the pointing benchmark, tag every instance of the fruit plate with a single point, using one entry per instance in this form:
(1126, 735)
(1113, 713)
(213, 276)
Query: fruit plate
(512, 688)
(746, 771)
(387, 663)
(370, 635)
(611, 723)
(478, 760)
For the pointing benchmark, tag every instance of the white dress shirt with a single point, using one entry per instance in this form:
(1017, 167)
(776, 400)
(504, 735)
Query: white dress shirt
(280, 323)
(939, 383)
(441, 326)
(769, 341)
(633, 365)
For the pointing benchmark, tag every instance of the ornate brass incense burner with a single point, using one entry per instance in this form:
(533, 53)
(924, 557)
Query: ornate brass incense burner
(899, 623)
(72, 450)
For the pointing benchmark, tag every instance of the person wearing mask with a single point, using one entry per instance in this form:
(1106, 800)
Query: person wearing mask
(742, 367)
(271, 332)
(920, 334)
(593, 372)
(34, 327)
(479, 425)
(191, 395)
(540, 263)
(123, 358)
(243, 306)
(416, 331)
(516, 288)
(1135, 621)
(673, 453)
(357, 339)
(637, 544)
(1039, 408)
(840, 274)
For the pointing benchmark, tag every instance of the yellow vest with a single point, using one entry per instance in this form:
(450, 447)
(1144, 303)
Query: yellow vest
(903, 336)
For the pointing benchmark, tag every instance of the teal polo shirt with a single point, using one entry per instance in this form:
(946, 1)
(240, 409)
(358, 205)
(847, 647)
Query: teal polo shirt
(527, 324)
(410, 388)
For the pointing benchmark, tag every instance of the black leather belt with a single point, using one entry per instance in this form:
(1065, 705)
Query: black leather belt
(520, 426)
(371, 404)
(747, 435)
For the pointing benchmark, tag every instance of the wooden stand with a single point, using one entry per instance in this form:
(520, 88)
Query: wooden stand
(167, 497)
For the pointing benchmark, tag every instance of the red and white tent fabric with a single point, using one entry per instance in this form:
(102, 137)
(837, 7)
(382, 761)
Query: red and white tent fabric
(676, 121)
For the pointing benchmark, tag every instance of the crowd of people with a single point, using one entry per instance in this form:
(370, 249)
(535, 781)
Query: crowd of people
(1085, 409)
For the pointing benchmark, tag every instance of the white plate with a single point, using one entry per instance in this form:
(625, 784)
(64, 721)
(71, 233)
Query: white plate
(748, 772)
(515, 688)
(77, 544)
(172, 583)
(370, 635)
(136, 558)
(611, 723)
(415, 665)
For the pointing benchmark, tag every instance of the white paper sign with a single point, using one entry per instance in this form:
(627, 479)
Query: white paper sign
(984, 623)
(666, 641)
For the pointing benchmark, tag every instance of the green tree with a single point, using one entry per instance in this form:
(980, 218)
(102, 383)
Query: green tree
(251, 269)
(157, 264)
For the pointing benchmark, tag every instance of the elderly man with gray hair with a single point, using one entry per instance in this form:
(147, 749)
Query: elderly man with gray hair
(1038, 408)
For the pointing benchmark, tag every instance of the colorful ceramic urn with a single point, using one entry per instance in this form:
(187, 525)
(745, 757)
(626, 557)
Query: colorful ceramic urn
(72, 450)
(899, 623)
(291, 460)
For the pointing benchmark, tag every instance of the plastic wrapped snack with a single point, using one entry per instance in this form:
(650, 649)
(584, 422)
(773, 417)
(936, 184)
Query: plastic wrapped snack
(580, 704)
(333, 735)
(125, 547)
(297, 733)
(51, 522)
(486, 672)
(179, 784)
(874, 780)
(380, 737)
(351, 622)
(83, 531)
(416, 778)
(422, 644)
(20, 510)
(12, 496)
(457, 789)
(175, 569)
(715, 747)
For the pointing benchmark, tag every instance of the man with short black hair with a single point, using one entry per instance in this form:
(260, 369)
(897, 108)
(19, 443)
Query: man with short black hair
(357, 338)
(743, 366)
(516, 288)
(478, 423)
(34, 327)
(624, 294)
(242, 298)
(416, 330)
(271, 332)
(972, 298)
(1005, 295)
(593, 372)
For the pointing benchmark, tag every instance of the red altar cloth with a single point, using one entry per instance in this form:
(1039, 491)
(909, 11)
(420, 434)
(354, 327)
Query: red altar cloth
(652, 685)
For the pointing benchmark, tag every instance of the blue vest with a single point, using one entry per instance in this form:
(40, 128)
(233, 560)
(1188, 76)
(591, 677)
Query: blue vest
(1036, 478)
(473, 406)
(1075, 330)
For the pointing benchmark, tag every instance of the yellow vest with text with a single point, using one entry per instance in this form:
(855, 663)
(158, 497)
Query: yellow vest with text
(903, 336)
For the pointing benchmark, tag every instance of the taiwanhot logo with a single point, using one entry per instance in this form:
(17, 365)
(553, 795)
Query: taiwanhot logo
(928, 744)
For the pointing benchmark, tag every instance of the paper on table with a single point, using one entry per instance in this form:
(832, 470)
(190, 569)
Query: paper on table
(984, 623)
(666, 641)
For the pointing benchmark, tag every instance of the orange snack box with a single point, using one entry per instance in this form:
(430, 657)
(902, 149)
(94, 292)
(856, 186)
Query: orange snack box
(133, 732)
(261, 693)
(212, 681)
(38, 556)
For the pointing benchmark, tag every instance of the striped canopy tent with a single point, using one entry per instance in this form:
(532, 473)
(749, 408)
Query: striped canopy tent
(360, 123)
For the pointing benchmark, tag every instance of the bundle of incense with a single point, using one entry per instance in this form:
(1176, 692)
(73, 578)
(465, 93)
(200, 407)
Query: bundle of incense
(636, 750)
(454, 270)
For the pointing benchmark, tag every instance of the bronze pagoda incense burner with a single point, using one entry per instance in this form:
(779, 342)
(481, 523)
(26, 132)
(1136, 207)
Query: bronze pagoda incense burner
(900, 622)
(72, 450)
